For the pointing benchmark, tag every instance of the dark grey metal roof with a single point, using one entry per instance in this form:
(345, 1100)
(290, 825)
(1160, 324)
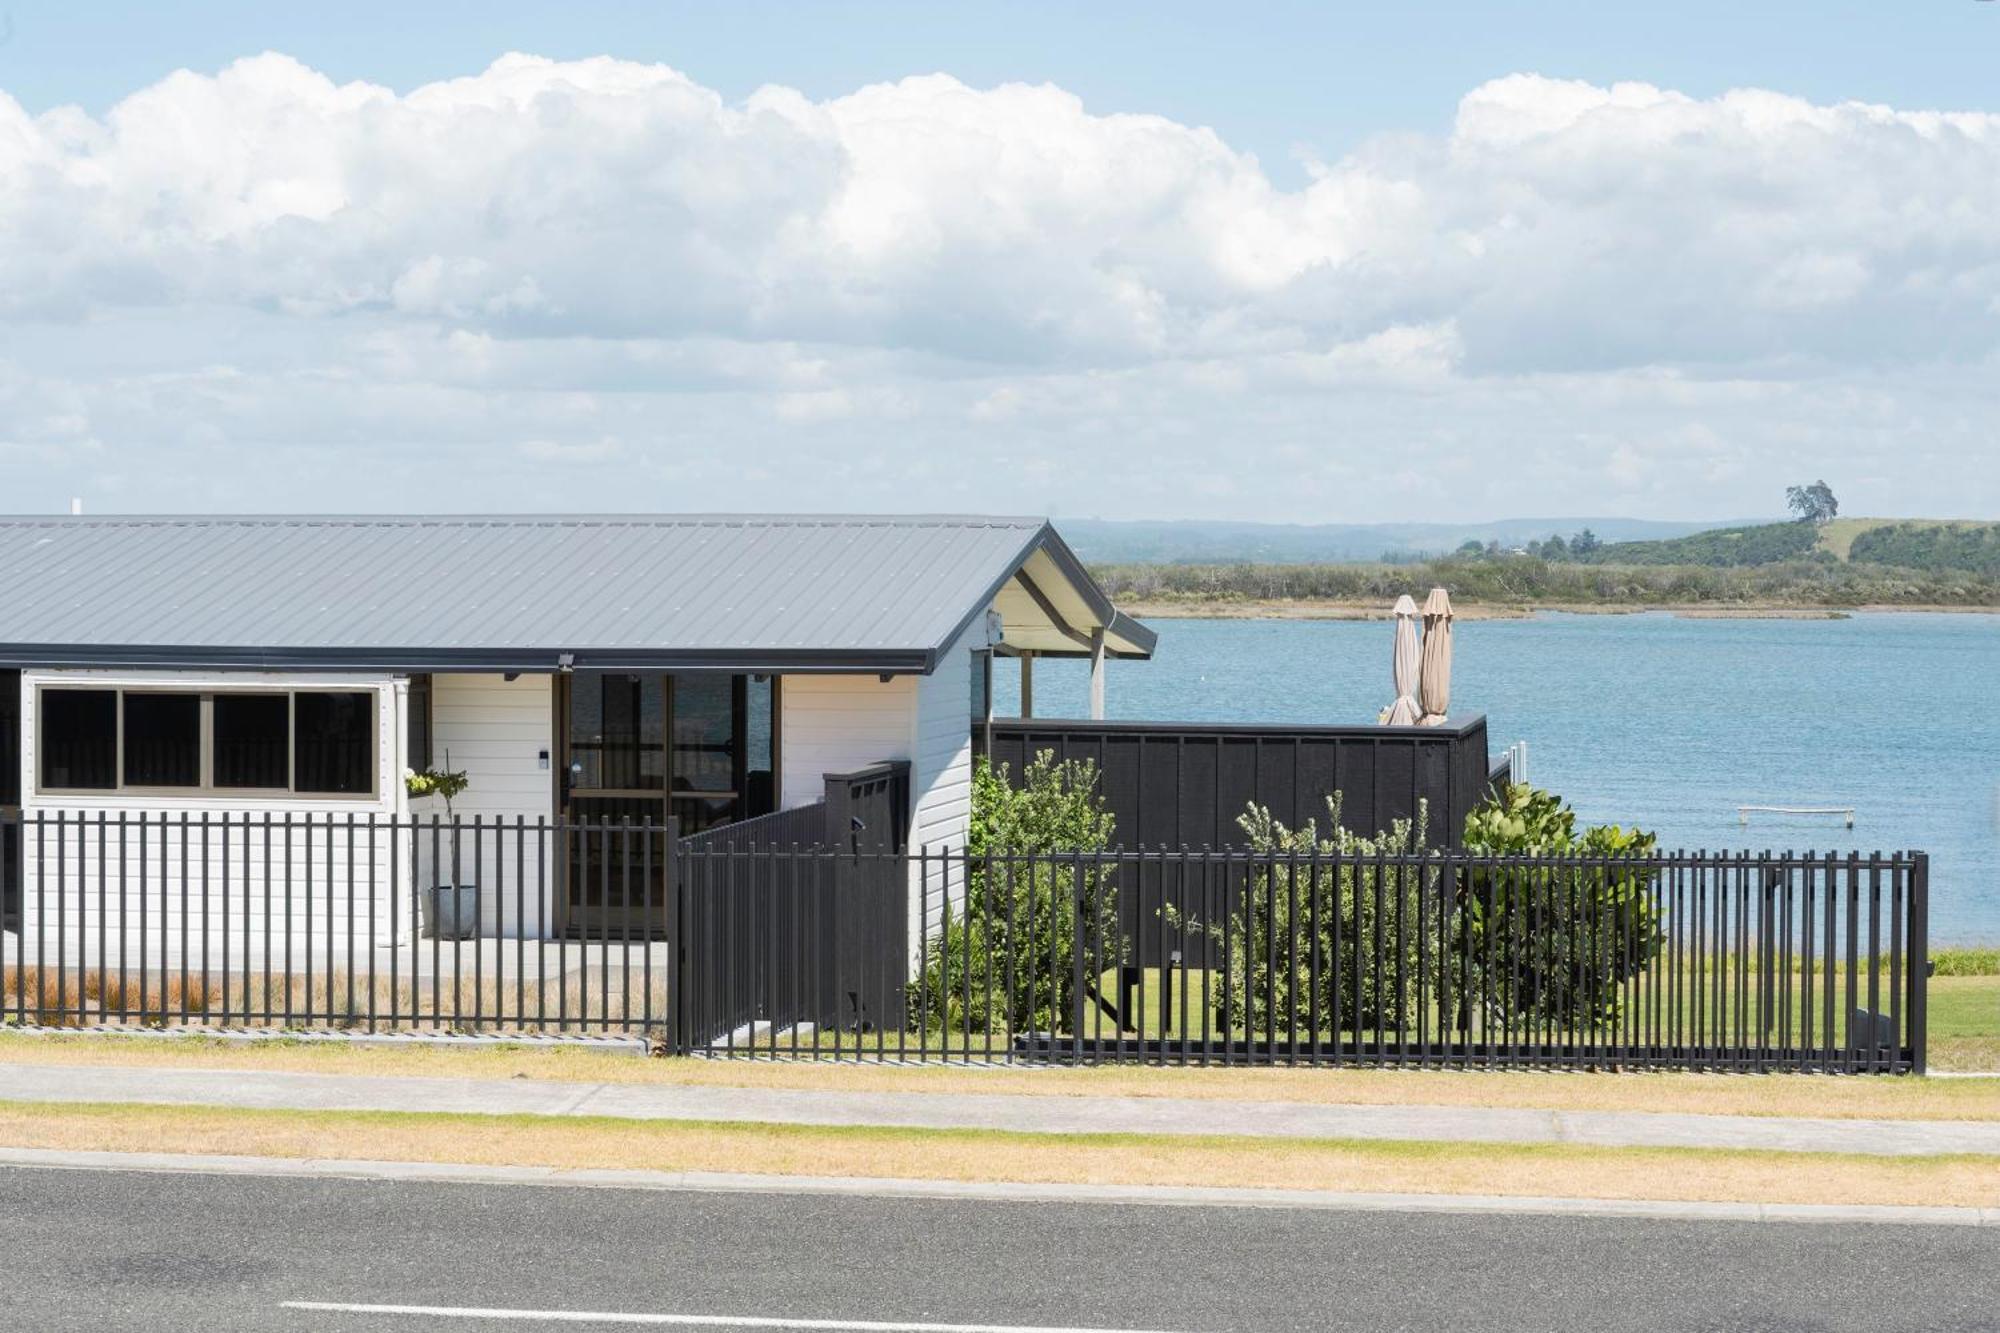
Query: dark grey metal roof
(748, 592)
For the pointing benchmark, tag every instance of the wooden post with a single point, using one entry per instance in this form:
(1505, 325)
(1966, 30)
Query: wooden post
(1097, 675)
(1027, 682)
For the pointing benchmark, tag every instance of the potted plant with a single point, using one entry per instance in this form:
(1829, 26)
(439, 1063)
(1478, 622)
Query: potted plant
(451, 909)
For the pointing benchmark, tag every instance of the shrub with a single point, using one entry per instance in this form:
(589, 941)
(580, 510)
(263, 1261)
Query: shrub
(1023, 921)
(1553, 944)
(1322, 892)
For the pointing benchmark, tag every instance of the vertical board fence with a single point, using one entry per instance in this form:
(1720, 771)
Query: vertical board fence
(1187, 784)
(806, 935)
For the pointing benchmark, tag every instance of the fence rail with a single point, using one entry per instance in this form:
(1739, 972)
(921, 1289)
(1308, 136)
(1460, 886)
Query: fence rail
(809, 935)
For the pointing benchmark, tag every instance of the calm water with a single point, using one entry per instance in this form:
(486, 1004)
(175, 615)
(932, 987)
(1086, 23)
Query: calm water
(1657, 721)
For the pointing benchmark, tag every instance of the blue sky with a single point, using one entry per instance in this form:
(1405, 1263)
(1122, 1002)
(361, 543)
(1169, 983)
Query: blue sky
(1296, 262)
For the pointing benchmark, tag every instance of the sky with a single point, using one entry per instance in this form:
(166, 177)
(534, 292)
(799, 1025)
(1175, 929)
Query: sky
(1297, 263)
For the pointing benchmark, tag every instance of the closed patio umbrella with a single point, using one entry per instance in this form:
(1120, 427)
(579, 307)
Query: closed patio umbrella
(1405, 666)
(1435, 687)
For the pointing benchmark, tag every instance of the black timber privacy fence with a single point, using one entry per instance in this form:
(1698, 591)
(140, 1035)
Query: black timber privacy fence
(799, 916)
(807, 937)
(1187, 784)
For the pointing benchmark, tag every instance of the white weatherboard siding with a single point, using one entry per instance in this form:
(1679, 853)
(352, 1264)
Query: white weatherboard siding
(941, 777)
(836, 724)
(276, 870)
(501, 734)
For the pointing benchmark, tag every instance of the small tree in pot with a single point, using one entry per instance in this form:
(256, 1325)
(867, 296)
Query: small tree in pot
(453, 907)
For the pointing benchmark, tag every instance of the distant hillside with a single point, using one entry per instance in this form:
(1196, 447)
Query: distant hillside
(1764, 544)
(1927, 545)
(1196, 541)
(1931, 545)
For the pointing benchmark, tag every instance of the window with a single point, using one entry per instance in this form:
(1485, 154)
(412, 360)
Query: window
(308, 742)
(982, 686)
(10, 741)
(760, 749)
(253, 741)
(333, 743)
(418, 742)
(162, 746)
(79, 739)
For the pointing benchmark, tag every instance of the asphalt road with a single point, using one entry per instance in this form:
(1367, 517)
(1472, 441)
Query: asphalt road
(105, 1250)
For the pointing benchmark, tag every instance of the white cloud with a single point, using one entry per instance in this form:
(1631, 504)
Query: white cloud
(923, 294)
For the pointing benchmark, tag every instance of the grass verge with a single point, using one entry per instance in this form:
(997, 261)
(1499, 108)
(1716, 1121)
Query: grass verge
(1427, 1168)
(1713, 1094)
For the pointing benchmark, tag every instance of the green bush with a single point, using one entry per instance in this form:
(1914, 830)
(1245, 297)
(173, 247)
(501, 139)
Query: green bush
(1553, 944)
(1021, 921)
(1302, 949)
(1962, 547)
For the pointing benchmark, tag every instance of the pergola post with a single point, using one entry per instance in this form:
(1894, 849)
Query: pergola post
(1097, 675)
(1027, 682)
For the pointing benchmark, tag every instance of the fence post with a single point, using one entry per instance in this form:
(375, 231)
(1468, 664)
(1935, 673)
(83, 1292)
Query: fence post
(1919, 953)
(680, 986)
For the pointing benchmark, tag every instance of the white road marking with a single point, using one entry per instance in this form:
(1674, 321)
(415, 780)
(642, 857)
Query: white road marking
(684, 1320)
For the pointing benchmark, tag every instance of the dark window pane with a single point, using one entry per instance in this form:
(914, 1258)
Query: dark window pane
(10, 744)
(162, 740)
(704, 733)
(418, 742)
(334, 747)
(760, 746)
(615, 732)
(252, 740)
(79, 739)
(982, 686)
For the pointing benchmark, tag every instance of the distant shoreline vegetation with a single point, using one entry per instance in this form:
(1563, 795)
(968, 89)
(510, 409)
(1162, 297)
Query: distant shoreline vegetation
(1842, 565)
(1527, 581)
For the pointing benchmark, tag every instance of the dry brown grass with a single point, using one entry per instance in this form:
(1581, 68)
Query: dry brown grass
(1715, 1094)
(81, 997)
(1965, 1054)
(984, 1155)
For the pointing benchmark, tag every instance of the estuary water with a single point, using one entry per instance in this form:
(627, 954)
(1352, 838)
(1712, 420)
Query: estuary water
(1655, 720)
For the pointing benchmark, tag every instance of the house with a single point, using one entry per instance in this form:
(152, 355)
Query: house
(225, 674)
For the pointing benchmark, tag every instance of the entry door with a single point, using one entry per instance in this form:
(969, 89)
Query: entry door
(614, 785)
(699, 747)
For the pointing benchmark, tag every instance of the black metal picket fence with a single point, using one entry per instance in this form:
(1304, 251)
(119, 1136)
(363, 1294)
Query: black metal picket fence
(808, 934)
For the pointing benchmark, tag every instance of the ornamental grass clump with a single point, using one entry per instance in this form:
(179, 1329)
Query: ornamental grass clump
(1039, 906)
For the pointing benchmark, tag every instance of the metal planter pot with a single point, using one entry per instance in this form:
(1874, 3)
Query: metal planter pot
(452, 912)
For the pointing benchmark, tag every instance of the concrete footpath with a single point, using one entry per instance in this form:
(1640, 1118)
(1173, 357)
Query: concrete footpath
(1002, 1111)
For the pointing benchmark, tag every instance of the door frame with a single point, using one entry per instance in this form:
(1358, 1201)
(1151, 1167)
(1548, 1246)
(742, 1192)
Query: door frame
(561, 794)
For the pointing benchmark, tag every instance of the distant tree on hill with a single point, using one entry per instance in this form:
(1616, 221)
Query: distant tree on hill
(1584, 544)
(1812, 504)
(1471, 548)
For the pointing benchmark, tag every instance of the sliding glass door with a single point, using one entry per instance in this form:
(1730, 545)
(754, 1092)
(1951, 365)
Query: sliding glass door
(699, 747)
